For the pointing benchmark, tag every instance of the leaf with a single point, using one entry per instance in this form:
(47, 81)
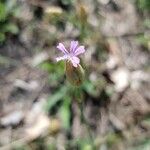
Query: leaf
(65, 113)
(144, 40)
(10, 5)
(3, 13)
(46, 66)
(90, 88)
(144, 4)
(12, 28)
(50, 67)
(85, 144)
(67, 2)
(58, 96)
(56, 72)
(2, 37)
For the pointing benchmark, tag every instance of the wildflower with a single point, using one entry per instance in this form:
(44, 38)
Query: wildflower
(71, 54)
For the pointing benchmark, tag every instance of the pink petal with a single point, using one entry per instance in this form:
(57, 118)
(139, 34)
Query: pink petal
(62, 48)
(73, 46)
(79, 50)
(61, 58)
(75, 61)
(74, 64)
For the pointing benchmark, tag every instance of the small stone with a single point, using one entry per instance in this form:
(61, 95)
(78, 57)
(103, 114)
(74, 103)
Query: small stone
(12, 119)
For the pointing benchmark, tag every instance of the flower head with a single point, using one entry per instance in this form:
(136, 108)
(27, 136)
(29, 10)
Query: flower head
(72, 53)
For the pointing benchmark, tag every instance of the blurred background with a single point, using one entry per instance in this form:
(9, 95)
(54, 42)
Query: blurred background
(40, 109)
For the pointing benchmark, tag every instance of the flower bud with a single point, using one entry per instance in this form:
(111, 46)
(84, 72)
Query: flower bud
(75, 75)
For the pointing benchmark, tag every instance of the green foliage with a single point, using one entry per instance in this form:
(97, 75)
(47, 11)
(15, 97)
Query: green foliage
(94, 88)
(90, 88)
(143, 4)
(7, 11)
(65, 113)
(11, 28)
(56, 97)
(147, 23)
(67, 2)
(80, 143)
(2, 37)
(85, 144)
(55, 70)
(3, 12)
(144, 40)
(112, 138)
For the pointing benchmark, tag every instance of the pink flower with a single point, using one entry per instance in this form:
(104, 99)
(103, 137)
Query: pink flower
(72, 53)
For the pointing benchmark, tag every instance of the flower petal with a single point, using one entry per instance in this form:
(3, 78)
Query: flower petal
(62, 48)
(79, 50)
(61, 58)
(73, 46)
(75, 61)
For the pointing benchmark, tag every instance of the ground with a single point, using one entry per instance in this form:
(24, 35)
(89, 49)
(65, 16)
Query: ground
(40, 109)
